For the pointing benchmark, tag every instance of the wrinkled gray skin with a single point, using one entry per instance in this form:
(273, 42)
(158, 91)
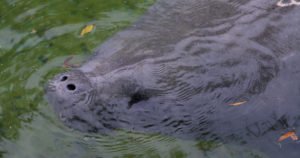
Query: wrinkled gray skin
(177, 69)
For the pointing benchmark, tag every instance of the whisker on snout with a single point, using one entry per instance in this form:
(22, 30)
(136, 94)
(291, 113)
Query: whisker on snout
(51, 86)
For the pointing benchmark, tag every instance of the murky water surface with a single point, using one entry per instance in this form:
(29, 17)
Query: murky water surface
(248, 53)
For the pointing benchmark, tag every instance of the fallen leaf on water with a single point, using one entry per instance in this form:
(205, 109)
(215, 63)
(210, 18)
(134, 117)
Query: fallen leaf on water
(290, 134)
(67, 63)
(33, 31)
(87, 29)
(294, 137)
(238, 103)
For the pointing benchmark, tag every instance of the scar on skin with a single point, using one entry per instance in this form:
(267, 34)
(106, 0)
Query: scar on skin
(292, 2)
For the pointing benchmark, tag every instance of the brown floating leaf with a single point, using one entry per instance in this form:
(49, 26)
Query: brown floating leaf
(294, 137)
(87, 29)
(67, 64)
(290, 134)
(238, 103)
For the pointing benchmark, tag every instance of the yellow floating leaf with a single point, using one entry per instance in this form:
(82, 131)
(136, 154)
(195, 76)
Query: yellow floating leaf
(290, 134)
(87, 29)
(33, 31)
(238, 103)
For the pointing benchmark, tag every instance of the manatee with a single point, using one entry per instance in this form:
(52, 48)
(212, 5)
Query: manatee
(178, 68)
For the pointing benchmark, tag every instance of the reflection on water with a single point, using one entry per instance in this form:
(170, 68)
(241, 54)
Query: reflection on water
(244, 50)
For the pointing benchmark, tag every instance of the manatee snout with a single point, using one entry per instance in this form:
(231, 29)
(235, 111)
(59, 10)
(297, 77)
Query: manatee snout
(69, 89)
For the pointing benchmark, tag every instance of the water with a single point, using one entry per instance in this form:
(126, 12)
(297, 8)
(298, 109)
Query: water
(36, 38)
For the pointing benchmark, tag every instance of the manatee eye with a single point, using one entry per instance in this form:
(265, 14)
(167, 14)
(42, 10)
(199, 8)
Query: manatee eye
(71, 87)
(64, 78)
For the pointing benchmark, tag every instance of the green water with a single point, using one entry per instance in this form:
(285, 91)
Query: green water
(36, 37)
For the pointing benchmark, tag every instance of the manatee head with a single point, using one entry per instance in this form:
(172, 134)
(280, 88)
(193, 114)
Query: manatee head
(69, 90)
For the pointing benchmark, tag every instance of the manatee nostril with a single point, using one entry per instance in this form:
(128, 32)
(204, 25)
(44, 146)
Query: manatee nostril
(64, 78)
(71, 87)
